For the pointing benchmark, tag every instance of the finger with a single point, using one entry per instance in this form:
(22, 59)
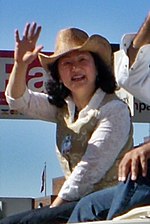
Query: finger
(26, 31)
(17, 38)
(38, 49)
(143, 162)
(134, 168)
(32, 30)
(37, 33)
(123, 171)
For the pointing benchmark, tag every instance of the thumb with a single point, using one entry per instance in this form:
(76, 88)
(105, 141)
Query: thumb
(37, 50)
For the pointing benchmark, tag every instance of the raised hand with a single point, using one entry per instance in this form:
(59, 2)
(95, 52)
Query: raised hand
(26, 50)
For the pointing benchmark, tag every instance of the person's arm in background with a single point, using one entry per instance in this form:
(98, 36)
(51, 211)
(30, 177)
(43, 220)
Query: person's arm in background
(138, 84)
(132, 160)
(141, 38)
(132, 68)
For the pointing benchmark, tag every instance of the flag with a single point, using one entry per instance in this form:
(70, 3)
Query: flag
(43, 179)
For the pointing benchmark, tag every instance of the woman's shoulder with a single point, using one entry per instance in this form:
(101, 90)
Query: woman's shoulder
(112, 103)
(112, 99)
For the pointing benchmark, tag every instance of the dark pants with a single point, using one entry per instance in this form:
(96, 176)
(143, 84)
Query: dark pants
(43, 215)
(111, 202)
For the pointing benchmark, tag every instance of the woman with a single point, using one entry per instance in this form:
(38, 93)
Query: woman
(134, 168)
(81, 100)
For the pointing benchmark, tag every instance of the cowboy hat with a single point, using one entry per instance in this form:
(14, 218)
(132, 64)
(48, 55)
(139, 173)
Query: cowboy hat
(75, 39)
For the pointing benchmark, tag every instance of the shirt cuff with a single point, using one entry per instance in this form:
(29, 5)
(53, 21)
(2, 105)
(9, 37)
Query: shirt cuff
(15, 104)
(126, 41)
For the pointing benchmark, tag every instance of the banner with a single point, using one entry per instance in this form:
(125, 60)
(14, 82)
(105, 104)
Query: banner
(141, 112)
(36, 77)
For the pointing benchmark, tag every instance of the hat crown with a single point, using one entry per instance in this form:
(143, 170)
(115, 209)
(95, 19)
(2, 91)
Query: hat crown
(69, 39)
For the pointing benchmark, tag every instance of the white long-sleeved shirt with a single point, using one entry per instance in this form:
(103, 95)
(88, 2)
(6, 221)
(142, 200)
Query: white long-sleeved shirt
(135, 80)
(109, 137)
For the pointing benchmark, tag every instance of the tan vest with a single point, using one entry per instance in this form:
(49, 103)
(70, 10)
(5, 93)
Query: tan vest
(72, 140)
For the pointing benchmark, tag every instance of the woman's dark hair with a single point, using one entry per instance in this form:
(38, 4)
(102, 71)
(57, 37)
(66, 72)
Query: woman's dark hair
(57, 92)
(105, 78)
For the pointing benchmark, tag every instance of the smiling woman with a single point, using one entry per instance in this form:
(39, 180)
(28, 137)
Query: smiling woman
(81, 79)
(78, 72)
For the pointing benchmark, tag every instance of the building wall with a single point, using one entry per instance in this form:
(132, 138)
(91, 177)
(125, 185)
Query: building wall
(42, 202)
(11, 206)
(57, 184)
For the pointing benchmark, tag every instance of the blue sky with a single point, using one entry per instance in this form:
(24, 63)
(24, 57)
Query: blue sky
(25, 145)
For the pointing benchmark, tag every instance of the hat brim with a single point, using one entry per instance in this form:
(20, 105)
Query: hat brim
(96, 44)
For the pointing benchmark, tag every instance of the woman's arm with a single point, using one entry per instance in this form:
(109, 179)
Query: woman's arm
(102, 150)
(33, 104)
(25, 52)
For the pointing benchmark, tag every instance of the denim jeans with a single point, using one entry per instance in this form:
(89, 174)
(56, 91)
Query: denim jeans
(101, 205)
(131, 194)
(93, 207)
(111, 202)
(43, 215)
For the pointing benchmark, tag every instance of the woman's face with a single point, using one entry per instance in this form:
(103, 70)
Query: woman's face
(77, 71)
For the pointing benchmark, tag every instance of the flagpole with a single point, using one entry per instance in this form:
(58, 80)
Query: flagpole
(45, 180)
(149, 131)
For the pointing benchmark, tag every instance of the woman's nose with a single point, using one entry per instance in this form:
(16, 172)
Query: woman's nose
(75, 66)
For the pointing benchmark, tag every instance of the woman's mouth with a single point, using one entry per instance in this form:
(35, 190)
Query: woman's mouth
(77, 78)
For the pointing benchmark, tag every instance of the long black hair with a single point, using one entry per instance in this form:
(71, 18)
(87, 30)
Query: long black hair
(57, 92)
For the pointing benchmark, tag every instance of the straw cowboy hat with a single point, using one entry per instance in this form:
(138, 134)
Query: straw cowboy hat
(75, 39)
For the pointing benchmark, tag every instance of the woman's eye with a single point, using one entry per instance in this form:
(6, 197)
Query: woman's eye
(82, 59)
(67, 63)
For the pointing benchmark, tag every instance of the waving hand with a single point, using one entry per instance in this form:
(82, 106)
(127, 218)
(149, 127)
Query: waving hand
(26, 50)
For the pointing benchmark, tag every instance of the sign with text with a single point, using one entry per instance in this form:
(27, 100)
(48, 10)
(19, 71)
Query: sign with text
(141, 112)
(127, 98)
(36, 77)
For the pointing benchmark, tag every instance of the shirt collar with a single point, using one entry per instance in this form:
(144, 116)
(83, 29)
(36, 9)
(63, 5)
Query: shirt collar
(93, 104)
